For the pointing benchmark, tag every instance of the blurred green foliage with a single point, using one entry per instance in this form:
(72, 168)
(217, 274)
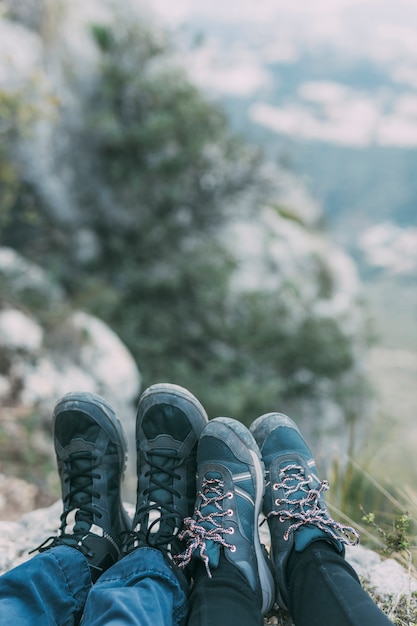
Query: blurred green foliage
(157, 173)
(10, 109)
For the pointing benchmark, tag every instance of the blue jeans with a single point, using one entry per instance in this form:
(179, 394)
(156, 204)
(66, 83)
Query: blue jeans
(54, 588)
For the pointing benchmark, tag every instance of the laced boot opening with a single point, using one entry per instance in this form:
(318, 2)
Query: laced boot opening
(207, 528)
(158, 520)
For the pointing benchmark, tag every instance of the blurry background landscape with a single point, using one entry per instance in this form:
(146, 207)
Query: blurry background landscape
(228, 190)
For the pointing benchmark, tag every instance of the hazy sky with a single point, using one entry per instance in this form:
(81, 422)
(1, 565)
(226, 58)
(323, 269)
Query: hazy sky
(380, 30)
(235, 62)
(263, 9)
(331, 15)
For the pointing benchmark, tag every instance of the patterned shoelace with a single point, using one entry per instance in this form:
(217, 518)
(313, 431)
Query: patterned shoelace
(306, 509)
(206, 524)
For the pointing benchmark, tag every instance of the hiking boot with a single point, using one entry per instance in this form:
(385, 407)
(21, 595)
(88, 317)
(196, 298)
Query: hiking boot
(230, 482)
(293, 502)
(168, 425)
(91, 455)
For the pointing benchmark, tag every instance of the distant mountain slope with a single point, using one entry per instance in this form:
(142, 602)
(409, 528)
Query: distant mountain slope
(329, 87)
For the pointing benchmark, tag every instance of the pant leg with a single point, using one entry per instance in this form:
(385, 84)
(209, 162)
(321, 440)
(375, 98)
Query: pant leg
(226, 599)
(140, 590)
(49, 589)
(324, 590)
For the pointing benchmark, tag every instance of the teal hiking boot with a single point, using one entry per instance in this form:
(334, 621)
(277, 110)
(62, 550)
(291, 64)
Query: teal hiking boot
(293, 502)
(230, 483)
(91, 455)
(168, 426)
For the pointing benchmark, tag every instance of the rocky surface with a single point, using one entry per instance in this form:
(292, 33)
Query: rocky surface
(50, 350)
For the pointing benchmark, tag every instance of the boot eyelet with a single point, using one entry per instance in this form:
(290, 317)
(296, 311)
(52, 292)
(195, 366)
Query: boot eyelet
(277, 501)
(230, 512)
(230, 495)
(233, 549)
(275, 486)
(231, 530)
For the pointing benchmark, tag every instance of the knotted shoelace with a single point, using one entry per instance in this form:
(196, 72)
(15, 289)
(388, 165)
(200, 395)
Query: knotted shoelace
(211, 514)
(159, 532)
(306, 509)
(80, 474)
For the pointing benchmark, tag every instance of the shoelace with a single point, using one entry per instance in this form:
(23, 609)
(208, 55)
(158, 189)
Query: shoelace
(162, 473)
(211, 513)
(306, 509)
(81, 480)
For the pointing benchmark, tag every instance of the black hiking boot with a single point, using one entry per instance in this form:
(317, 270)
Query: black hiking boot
(168, 426)
(91, 456)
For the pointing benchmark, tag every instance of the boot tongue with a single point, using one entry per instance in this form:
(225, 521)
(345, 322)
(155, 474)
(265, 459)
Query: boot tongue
(213, 553)
(165, 460)
(163, 463)
(81, 526)
(81, 481)
(307, 533)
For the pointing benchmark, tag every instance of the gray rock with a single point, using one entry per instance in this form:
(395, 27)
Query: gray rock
(80, 353)
(48, 350)
(18, 331)
(386, 575)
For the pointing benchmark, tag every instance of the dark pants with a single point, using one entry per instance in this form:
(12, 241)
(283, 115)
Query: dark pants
(324, 590)
(223, 600)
